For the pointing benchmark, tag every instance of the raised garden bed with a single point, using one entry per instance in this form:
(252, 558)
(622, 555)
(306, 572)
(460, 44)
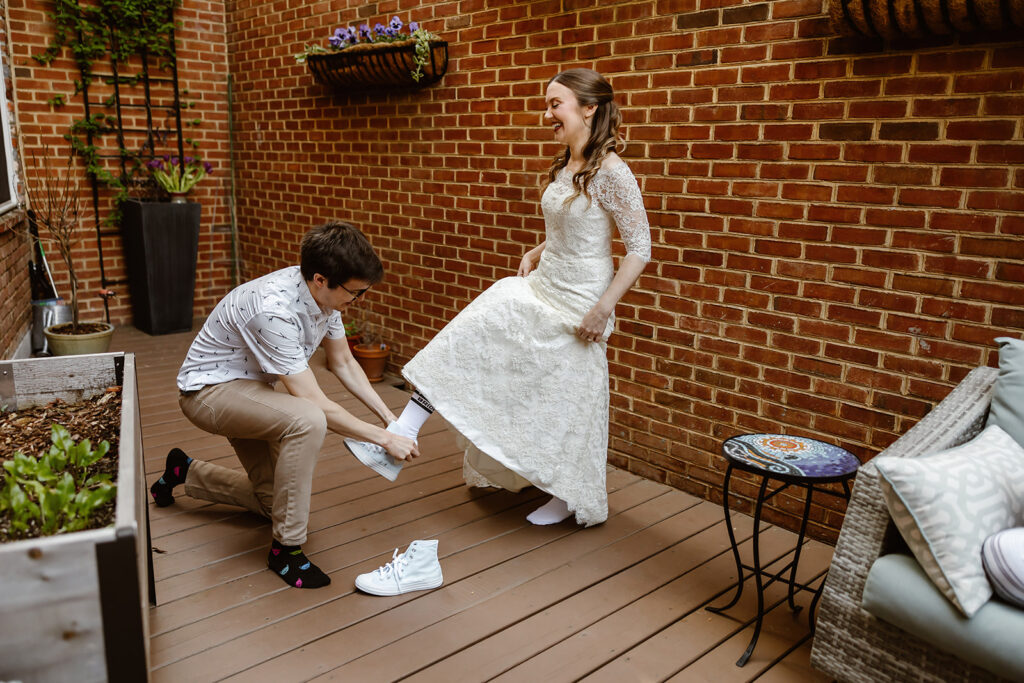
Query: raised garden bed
(74, 605)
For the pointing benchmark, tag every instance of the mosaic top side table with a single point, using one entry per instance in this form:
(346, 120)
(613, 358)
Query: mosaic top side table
(793, 461)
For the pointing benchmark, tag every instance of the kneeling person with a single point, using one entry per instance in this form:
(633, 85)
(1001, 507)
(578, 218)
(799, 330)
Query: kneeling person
(264, 331)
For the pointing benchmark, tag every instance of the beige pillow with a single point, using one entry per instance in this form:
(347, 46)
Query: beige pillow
(946, 505)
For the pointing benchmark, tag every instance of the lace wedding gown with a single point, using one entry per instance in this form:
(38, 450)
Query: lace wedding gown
(527, 396)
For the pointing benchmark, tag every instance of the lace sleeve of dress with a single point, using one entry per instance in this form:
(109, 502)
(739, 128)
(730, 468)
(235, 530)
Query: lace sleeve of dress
(618, 194)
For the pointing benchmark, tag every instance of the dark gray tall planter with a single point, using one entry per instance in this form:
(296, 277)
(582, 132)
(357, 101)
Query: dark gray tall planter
(161, 244)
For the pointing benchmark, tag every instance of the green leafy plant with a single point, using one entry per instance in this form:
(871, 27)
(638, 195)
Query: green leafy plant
(346, 37)
(58, 491)
(178, 177)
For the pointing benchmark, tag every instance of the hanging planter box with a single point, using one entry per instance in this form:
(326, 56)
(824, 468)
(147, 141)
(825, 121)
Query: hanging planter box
(379, 64)
(74, 605)
(893, 19)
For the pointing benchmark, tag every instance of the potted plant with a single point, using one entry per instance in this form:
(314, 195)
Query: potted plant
(352, 335)
(372, 353)
(75, 602)
(392, 55)
(55, 202)
(161, 245)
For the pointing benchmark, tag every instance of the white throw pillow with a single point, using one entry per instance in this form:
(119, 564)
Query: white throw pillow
(946, 505)
(1003, 557)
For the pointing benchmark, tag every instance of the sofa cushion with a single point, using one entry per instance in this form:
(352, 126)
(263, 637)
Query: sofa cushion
(1007, 409)
(946, 505)
(1003, 558)
(899, 592)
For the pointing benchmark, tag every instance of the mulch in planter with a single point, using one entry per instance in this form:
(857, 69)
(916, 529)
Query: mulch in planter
(97, 419)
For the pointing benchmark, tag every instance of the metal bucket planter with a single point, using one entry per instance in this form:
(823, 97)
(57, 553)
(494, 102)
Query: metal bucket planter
(74, 605)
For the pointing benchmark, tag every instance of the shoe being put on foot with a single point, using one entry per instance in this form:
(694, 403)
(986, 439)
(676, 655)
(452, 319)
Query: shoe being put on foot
(375, 457)
(416, 569)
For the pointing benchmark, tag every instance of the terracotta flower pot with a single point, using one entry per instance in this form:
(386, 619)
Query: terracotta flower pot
(373, 359)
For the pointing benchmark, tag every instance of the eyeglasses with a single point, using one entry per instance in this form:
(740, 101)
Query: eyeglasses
(356, 294)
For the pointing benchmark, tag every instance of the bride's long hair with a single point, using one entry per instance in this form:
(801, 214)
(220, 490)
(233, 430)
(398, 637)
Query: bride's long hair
(589, 87)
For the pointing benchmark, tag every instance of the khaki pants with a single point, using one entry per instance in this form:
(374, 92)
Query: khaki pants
(277, 438)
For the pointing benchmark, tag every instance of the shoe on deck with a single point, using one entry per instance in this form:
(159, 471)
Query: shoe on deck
(416, 569)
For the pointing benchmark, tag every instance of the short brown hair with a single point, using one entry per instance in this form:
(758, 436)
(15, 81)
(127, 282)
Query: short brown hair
(340, 252)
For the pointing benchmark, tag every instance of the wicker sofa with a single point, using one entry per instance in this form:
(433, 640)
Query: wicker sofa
(851, 643)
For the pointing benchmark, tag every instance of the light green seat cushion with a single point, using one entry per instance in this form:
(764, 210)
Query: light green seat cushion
(1007, 409)
(899, 592)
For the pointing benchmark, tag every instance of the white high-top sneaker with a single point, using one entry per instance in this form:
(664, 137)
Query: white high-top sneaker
(375, 457)
(416, 569)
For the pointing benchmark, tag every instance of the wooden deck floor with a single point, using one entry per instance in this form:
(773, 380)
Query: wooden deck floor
(623, 601)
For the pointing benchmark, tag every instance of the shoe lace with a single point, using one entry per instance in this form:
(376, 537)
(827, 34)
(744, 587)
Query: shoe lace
(394, 567)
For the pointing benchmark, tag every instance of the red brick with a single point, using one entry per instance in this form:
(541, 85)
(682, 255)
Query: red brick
(854, 316)
(996, 201)
(922, 284)
(850, 89)
(1001, 154)
(1003, 294)
(948, 61)
(1004, 81)
(946, 107)
(873, 153)
(948, 199)
(980, 130)
(865, 194)
(878, 109)
(887, 301)
(834, 214)
(830, 292)
(814, 151)
(858, 276)
(941, 154)
(917, 85)
(882, 66)
(841, 173)
(904, 175)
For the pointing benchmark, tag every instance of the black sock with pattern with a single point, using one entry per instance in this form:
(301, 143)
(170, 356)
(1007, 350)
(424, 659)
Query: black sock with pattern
(174, 474)
(292, 565)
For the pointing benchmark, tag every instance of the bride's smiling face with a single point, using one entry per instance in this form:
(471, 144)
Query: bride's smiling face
(568, 120)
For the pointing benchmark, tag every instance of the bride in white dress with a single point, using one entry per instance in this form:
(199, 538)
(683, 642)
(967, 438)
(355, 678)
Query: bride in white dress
(522, 373)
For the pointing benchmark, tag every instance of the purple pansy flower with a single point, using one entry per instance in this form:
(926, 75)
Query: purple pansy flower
(208, 167)
(413, 27)
(396, 24)
(339, 38)
(364, 32)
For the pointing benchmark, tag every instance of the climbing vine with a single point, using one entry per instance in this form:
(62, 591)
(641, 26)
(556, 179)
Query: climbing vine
(111, 32)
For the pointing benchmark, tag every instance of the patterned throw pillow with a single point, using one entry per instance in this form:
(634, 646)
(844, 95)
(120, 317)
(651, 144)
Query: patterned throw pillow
(1003, 557)
(1007, 409)
(946, 505)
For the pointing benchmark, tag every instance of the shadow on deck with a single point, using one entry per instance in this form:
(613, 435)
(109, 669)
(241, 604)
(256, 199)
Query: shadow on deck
(623, 601)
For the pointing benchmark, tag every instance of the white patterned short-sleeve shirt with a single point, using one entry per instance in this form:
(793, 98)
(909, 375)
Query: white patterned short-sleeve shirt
(268, 327)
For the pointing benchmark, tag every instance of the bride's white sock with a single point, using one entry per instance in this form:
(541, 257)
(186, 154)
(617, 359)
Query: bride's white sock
(415, 414)
(551, 512)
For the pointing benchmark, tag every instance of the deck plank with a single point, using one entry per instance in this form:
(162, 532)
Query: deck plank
(622, 601)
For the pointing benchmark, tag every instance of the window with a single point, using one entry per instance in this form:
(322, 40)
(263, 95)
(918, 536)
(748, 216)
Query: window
(8, 198)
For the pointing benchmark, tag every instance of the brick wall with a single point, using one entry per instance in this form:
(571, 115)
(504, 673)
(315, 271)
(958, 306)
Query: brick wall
(202, 64)
(837, 225)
